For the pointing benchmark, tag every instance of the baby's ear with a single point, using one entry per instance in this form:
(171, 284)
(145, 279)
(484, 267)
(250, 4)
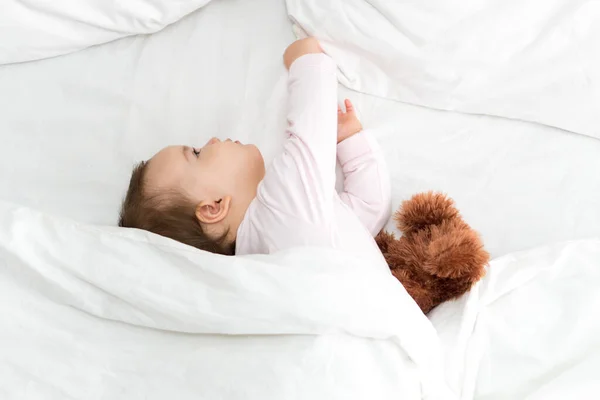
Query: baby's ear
(213, 211)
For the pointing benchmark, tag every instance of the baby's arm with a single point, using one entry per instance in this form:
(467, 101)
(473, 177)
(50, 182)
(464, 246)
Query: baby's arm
(301, 181)
(366, 178)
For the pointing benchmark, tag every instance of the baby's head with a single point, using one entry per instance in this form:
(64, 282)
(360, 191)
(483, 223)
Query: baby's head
(197, 196)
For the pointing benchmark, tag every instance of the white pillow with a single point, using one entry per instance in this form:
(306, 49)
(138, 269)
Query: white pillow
(36, 29)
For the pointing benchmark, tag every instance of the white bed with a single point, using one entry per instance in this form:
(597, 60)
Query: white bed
(72, 126)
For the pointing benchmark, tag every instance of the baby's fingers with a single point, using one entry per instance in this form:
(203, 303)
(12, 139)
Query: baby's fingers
(349, 106)
(340, 109)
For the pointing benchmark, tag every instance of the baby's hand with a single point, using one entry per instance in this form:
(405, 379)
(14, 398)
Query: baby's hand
(299, 48)
(348, 123)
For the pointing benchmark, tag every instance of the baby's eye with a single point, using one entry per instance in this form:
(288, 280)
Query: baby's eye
(196, 152)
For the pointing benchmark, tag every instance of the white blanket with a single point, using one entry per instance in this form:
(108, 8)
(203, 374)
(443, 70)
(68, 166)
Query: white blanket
(530, 330)
(91, 312)
(34, 29)
(532, 60)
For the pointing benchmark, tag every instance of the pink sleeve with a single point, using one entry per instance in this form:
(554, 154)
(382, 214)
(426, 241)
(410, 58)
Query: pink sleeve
(301, 181)
(366, 180)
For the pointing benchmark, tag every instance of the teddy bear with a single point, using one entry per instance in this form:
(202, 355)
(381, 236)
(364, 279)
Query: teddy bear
(439, 256)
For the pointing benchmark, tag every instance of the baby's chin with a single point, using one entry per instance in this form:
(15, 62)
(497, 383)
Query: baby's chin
(258, 162)
(255, 152)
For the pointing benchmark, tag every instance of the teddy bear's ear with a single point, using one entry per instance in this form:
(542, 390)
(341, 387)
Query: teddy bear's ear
(423, 210)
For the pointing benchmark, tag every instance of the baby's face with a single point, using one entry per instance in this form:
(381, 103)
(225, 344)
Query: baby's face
(219, 168)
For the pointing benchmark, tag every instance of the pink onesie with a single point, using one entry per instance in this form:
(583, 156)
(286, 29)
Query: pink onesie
(296, 203)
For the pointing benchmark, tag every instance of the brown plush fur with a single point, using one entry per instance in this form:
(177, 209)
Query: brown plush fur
(438, 257)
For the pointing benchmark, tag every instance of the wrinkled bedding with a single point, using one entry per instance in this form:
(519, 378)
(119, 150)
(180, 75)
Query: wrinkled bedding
(91, 310)
(111, 313)
(530, 330)
(531, 60)
(33, 30)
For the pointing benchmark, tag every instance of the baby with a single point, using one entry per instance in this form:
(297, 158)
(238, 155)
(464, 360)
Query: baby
(218, 197)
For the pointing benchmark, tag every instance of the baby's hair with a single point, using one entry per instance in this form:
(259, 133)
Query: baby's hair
(167, 214)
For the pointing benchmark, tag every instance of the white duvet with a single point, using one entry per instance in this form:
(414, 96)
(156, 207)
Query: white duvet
(95, 313)
(103, 313)
(532, 60)
(89, 311)
(530, 330)
(33, 29)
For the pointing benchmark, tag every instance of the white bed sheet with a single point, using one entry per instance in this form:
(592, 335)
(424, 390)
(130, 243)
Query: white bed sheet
(73, 126)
